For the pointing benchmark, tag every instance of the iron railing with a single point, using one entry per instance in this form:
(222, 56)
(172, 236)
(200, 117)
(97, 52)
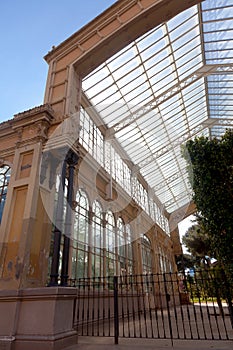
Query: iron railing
(161, 306)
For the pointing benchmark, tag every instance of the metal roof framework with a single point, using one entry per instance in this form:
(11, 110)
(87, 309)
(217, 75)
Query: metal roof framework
(171, 84)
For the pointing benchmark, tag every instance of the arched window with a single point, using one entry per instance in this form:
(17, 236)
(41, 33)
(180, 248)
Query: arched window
(146, 255)
(80, 237)
(5, 172)
(111, 258)
(97, 240)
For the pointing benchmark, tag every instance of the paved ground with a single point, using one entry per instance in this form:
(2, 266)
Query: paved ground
(149, 344)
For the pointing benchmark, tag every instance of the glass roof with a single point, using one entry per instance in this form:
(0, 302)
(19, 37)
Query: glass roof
(173, 83)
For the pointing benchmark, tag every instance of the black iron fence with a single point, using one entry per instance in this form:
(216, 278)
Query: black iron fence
(155, 306)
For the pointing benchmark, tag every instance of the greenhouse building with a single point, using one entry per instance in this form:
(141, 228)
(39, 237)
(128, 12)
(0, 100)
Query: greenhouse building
(92, 182)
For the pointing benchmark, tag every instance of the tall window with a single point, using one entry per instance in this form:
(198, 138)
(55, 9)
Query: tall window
(121, 246)
(97, 240)
(161, 261)
(91, 137)
(129, 249)
(125, 249)
(146, 255)
(165, 260)
(80, 237)
(5, 172)
(110, 244)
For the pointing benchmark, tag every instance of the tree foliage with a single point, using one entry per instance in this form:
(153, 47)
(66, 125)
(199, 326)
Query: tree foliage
(210, 168)
(198, 244)
(185, 262)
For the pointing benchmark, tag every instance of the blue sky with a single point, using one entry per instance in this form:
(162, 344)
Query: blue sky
(29, 29)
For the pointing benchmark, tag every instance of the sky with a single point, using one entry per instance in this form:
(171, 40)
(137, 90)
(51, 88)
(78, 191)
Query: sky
(183, 227)
(29, 29)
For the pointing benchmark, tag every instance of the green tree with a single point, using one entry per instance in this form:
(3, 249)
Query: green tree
(184, 262)
(198, 244)
(210, 167)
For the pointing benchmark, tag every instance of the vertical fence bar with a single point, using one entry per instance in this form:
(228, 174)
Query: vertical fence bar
(83, 286)
(75, 311)
(188, 286)
(138, 284)
(109, 290)
(229, 296)
(182, 289)
(160, 298)
(143, 304)
(93, 304)
(149, 289)
(214, 283)
(199, 295)
(205, 282)
(168, 306)
(127, 304)
(230, 308)
(124, 304)
(155, 286)
(120, 295)
(98, 306)
(174, 300)
(193, 312)
(133, 289)
(116, 314)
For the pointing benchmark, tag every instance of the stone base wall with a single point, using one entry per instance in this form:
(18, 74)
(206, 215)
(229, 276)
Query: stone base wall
(38, 319)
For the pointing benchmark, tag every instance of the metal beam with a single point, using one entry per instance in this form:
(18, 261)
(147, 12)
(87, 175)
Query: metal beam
(202, 72)
(208, 123)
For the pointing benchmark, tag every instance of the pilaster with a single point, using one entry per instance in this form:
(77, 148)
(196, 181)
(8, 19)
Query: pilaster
(24, 224)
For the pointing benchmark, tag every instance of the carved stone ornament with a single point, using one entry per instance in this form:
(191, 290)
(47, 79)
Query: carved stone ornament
(42, 130)
(19, 135)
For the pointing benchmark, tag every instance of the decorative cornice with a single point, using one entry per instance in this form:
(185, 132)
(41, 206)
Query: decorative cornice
(27, 127)
(6, 124)
(46, 108)
(119, 17)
